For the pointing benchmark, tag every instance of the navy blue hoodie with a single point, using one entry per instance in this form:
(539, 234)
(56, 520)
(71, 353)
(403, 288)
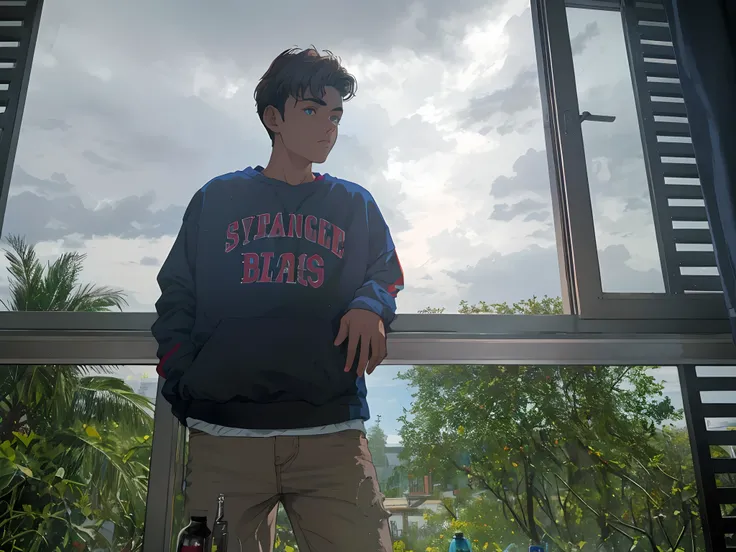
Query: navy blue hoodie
(252, 294)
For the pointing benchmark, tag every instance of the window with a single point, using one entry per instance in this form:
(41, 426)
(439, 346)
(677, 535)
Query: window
(493, 430)
(624, 148)
(522, 193)
(617, 173)
(75, 447)
(447, 128)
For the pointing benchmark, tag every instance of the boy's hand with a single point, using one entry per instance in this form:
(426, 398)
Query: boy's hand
(364, 327)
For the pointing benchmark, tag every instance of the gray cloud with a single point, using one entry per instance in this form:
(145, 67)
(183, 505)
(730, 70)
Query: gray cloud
(150, 261)
(506, 212)
(533, 271)
(543, 233)
(414, 138)
(137, 159)
(100, 161)
(538, 216)
(637, 204)
(511, 277)
(520, 57)
(50, 124)
(449, 244)
(581, 40)
(56, 184)
(67, 217)
(171, 31)
(531, 174)
(118, 124)
(514, 107)
(495, 111)
(618, 277)
(161, 137)
(142, 147)
(615, 167)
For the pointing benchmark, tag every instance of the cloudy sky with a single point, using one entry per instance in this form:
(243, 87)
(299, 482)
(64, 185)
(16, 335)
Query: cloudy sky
(134, 105)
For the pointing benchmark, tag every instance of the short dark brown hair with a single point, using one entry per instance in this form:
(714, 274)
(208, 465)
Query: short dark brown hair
(295, 72)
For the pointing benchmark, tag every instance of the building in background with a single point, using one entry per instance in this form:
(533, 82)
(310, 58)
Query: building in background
(406, 513)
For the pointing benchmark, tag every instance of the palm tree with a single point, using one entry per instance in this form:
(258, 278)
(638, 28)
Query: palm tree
(95, 429)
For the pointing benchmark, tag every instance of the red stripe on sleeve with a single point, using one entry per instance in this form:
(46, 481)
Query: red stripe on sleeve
(164, 359)
(398, 285)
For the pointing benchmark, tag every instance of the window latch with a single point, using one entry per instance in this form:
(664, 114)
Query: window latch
(588, 116)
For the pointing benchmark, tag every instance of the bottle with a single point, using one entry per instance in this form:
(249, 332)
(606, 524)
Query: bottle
(459, 544)
(536, 548)
(195, 536)
(219, 530)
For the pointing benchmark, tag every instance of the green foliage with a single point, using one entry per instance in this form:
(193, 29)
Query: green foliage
(54, 287)
(572, 456)
(74, 441)
(377, 443)
(285, 540)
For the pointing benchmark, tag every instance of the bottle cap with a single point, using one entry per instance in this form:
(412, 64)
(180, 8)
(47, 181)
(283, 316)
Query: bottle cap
(459, 535)
(202, 519)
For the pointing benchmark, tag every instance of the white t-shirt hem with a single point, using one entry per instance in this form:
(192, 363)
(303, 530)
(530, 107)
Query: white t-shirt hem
(223, 431)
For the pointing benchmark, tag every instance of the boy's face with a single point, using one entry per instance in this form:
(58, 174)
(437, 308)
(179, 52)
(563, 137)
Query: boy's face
(309, 126)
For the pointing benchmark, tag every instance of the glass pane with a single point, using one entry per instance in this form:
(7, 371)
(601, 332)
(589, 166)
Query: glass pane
(622, 211)
(130, 110)
(93, 441)
(483, 446)
(75, 448)
(461, 457)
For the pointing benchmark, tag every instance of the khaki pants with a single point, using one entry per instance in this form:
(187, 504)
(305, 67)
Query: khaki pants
(326, 483)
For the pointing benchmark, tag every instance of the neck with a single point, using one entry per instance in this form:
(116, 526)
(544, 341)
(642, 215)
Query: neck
(287, 166)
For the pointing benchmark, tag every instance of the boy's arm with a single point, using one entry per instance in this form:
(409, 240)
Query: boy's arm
(176, 307)
(384, 276)
(374, 306)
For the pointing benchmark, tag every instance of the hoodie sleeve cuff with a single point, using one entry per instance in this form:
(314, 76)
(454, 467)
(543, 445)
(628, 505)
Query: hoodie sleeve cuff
(375, 306)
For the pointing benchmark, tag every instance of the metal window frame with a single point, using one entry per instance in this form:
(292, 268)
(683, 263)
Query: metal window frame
(19, 77)
(163, 478)
(125, 338)
(611, 5)
(541, 348)
(571, 192)
(710, 494)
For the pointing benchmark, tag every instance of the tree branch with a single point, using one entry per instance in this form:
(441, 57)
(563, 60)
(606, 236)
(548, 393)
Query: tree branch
(612, 526)
(664, 532)
(621, 377)
(449, 511)
(503, 499)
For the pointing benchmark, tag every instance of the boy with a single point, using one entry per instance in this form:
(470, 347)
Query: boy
(275, 300)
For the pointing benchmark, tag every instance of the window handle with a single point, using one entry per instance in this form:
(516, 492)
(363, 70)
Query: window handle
(588, 116)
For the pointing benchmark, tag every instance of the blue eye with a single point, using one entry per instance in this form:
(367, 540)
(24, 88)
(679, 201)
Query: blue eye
(310, 111)
(335, 119)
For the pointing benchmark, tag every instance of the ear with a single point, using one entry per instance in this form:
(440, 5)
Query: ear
(272, 119)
